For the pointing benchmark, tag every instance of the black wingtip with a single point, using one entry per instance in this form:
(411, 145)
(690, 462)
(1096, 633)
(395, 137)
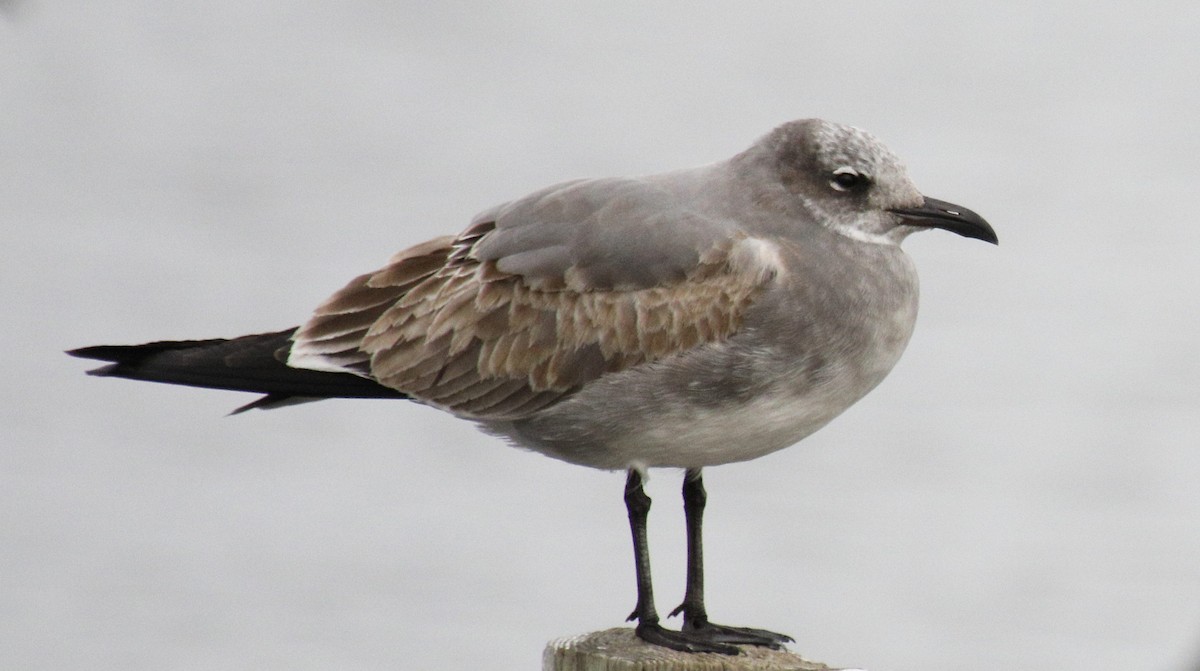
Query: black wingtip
(120, 356)
(104, 371)
(247, 363)
(264, 402)
(100, 352)
(241, 408)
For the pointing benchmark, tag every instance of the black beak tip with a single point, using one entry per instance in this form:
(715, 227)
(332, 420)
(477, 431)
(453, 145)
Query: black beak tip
(935, 213)
(989, 235)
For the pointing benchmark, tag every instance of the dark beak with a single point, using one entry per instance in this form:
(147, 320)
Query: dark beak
(935, 213)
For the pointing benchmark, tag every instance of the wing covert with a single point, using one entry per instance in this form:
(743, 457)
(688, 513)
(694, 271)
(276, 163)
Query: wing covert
(519, 311)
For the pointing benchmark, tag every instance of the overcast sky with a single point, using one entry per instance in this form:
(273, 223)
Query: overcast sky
(1020, 493)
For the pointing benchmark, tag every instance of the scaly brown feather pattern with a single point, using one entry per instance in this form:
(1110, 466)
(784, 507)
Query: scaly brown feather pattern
(455, 332)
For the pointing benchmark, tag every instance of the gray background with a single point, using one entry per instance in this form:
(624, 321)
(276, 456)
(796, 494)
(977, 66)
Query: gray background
(1020, 493)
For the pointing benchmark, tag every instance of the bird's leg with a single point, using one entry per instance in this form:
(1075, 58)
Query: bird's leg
(695, 617)
(638, 505)
(694, 498)
(648, 628)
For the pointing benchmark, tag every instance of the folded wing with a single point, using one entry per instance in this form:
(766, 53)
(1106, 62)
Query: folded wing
(540, 296)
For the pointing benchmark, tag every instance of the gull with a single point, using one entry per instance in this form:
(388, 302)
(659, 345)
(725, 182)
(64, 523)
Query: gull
(682, 320)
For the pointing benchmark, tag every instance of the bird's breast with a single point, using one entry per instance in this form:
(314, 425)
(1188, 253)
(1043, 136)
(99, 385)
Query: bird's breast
(806, 352)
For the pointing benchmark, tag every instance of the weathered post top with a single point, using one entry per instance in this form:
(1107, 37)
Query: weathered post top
(619, 649)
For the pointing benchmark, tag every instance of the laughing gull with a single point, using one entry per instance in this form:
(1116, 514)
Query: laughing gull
(684, 319)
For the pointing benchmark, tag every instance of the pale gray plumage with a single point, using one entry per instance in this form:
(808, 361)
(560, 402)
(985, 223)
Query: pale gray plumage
(685, 319)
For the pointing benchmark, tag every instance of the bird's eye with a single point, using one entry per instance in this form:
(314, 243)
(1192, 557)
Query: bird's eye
(845, 179)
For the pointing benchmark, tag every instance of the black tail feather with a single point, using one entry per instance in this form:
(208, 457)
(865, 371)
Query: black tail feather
(253, 363)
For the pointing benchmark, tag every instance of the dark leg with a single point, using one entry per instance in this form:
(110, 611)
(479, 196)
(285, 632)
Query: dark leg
(694, 498)
(695, 617)
(638, 505)
(648, 628)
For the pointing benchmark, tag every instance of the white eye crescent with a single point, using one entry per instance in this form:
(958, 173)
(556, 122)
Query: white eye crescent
(846, 178)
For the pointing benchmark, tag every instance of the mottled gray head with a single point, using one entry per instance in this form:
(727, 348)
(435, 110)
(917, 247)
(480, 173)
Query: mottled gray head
(856, 186)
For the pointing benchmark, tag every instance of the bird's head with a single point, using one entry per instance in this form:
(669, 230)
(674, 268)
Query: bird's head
(853, 184)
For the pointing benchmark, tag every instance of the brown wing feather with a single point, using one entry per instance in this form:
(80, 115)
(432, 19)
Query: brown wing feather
(458, 333)
(337, 328)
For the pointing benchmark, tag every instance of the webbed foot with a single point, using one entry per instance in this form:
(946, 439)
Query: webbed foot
(722, 634)
(682, 641)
